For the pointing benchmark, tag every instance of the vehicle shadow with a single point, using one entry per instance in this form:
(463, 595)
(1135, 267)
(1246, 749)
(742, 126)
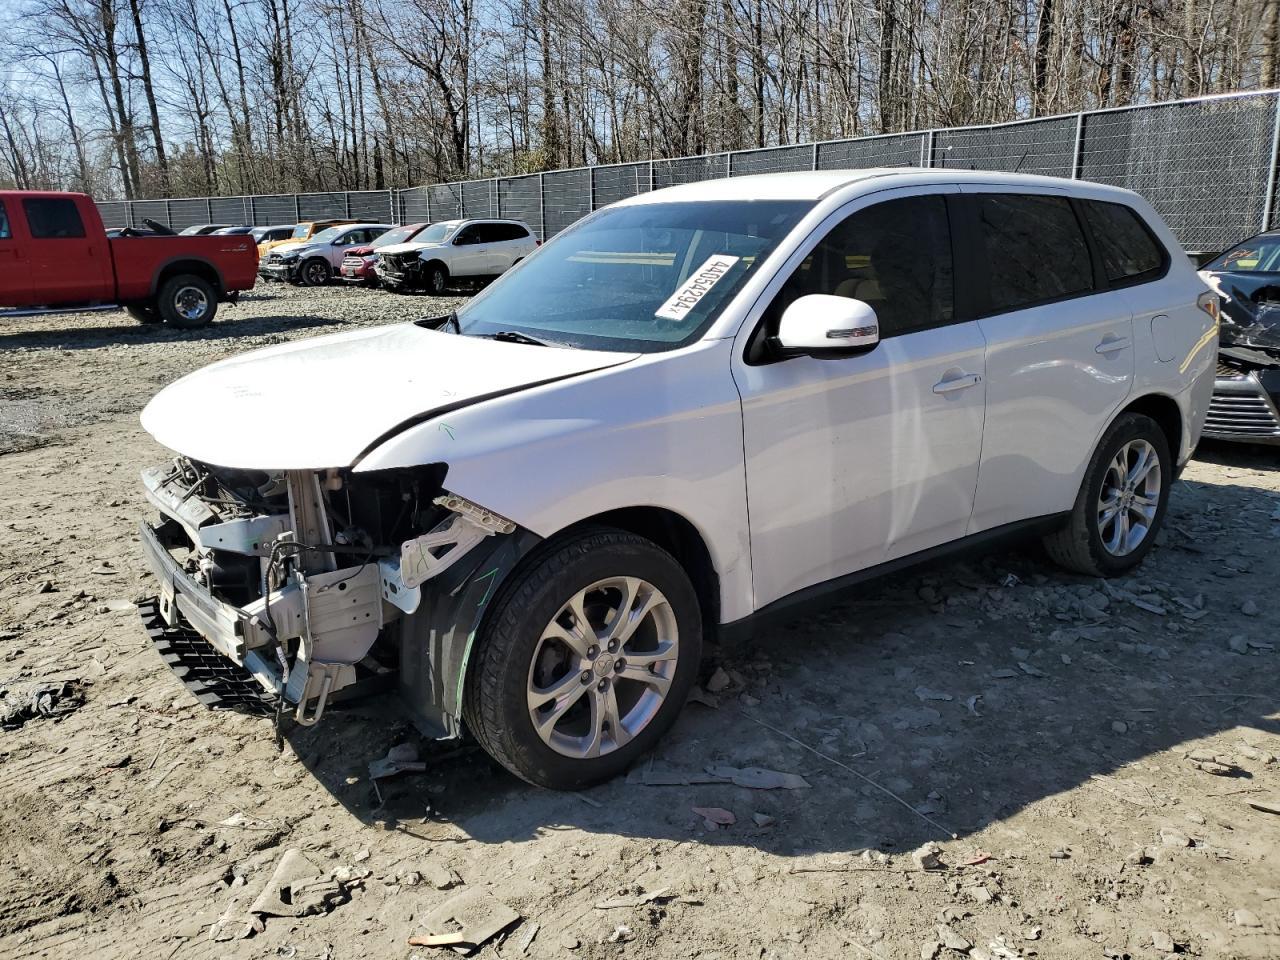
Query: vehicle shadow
(126, 331)
(933, 703)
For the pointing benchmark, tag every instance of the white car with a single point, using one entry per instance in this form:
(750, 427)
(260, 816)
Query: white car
(697, 407)
(314, 262)
(455, 249)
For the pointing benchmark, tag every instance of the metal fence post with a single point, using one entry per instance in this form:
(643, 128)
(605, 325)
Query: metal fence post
(814, 163)
(346, 203)
(926, 149)
(1271, 171)
(297, 209)
(208, 203)
(651, 176)
(1077, 156)
(542, 206)
(591, 189)
(728, 163)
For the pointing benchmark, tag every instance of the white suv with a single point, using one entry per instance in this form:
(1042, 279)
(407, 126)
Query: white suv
(462, 249)
(697, 407)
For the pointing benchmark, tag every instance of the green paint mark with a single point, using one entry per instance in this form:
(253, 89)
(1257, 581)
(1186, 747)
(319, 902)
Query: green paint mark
(447, 429)
(491, 576)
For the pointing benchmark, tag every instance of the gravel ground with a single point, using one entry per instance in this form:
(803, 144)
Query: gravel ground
(1086, 755)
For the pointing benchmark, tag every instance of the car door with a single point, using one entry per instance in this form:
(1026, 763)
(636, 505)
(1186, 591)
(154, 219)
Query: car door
(469, 252)
(344, 242)
(15, 280)
(856, 460)
(65, 264)
(1059, 355)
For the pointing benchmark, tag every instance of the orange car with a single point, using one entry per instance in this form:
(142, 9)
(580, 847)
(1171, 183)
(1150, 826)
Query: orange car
(303, 231)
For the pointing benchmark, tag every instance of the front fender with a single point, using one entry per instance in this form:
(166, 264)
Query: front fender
(663, 431)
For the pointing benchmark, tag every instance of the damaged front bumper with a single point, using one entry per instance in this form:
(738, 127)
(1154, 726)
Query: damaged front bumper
(1245, 406)
(311, 609)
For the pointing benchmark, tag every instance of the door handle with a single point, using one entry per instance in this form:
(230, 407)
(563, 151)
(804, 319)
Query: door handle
(958, 382)
(1111, 343)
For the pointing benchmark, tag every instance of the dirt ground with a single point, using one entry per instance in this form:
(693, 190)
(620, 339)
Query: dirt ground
(1094, 747)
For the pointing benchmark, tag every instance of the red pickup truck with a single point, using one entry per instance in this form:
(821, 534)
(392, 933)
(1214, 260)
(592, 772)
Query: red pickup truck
(56, 257)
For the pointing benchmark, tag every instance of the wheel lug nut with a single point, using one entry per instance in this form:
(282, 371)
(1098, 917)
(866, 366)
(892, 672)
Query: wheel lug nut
(603, 685)
(593, 651)
(613, 646)
(619, 664)
(586, 676)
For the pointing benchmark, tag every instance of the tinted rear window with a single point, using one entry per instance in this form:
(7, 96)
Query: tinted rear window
(1034, 249)
(5, 233)
(52, 218)
(1130, 254)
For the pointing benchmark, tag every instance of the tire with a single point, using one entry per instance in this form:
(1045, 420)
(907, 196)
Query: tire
(1091, 544)
(515, 657)
(144, 313)
(437, 278)
(314, 272)
(187, 302)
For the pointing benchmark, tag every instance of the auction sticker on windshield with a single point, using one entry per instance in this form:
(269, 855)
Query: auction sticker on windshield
(699, 284)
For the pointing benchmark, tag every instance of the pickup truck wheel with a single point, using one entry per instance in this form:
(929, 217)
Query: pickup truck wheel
(186, 302)
(437, 278)
(585, 659)
(145, 314)
(314, 273)
(1121, 503)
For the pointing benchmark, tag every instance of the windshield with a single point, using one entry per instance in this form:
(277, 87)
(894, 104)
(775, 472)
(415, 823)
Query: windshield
(1259, 255)
(190, 231)
(436, 233)
(300, 231)
(638, 278)
(398, 235)
(325, 236)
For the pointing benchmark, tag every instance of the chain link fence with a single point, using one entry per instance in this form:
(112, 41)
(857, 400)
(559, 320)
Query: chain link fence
(1208, 165)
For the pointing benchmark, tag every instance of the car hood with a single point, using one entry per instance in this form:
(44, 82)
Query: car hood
(284, 247)
(362, 251)
(410, 247)
(1250, 308)
(324, 402)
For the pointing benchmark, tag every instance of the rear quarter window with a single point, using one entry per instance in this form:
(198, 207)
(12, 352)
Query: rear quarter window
(1129, 251)
(52, 218)
(1035, 250)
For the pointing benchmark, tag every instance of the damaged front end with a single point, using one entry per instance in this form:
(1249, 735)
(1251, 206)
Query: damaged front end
(402, 270)
(1246, 393)
(321, 583)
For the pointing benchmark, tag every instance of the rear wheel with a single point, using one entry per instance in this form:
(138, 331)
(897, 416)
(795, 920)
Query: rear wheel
(143, 313)
(1121, 503)
(585, 660)
(314, 273)
(186, 302)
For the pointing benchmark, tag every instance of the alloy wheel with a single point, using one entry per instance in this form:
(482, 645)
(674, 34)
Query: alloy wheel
(1129, 498)
(603, 666)
(191, 303)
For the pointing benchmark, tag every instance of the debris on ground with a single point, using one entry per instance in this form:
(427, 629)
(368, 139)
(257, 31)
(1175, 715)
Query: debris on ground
(927, 857)
(715, 817)
(637, 900)
(42, 699)
(466, 922)
(402, 758)
(621, 934)
(719, 681)
(298, 888)
(754, 778)
(1267, 805)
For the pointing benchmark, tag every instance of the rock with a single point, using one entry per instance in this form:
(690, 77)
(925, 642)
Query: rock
(719, 681)
(929, 949)
(763, 820)
(569, 941)
(927, 857)
(1029, 670)
(1119, 726)
(46, 587)
(1162, 942)
(924, 693)
(439, 876)
(1140, 857)
(1245, 918)
(1058, 853)
(952, 940)
(1238, 644)
(1174, 838)
(1249, 608)
(1031, 933)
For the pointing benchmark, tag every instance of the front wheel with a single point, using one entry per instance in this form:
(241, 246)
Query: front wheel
(314, 273)
(437, 279)
(186, 302)
(585, 660)
(1121, 503)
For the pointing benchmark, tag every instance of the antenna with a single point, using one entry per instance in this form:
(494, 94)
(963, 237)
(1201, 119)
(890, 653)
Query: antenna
(1021, 159)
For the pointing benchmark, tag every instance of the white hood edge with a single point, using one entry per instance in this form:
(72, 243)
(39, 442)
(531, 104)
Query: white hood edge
(324, 402)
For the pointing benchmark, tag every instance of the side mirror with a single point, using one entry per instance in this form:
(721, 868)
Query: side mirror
(820, 324)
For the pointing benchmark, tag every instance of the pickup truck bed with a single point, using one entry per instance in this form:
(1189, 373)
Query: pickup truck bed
(55, 255)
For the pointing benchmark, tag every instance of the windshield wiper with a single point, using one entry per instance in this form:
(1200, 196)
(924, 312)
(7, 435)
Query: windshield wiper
(515, 336)
(449, 319)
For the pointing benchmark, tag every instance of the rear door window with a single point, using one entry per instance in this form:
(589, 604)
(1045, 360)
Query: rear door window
(1130, 254)
(5, 232)
(52, 218)
(1034, 249)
